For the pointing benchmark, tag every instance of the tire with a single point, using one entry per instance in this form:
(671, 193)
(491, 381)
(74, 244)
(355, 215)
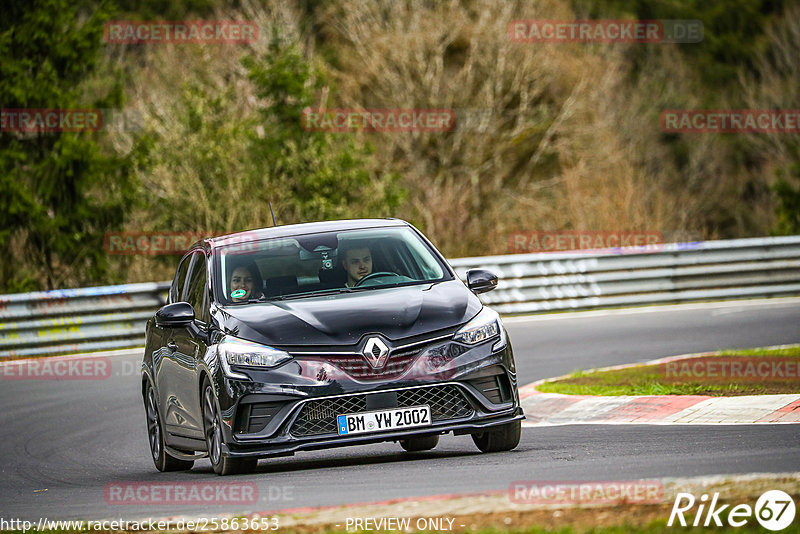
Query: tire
(155, 433)
(421, 443)
(501, 438)
(212, 426)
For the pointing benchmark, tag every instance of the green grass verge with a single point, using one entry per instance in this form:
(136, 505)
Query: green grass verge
(652, 379)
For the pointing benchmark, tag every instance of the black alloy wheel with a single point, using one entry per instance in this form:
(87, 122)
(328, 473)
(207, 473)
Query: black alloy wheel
(161, 458)
(212, 424)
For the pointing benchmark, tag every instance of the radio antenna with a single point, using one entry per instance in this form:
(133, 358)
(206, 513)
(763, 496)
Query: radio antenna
(273, 215)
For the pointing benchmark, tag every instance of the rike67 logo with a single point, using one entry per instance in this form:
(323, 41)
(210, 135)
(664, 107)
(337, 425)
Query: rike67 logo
(774, 510)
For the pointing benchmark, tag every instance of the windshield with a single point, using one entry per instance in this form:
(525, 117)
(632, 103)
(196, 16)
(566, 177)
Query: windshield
(324, 263)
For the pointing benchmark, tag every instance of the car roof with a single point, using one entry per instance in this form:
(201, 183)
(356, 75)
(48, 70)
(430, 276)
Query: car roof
(291, 230)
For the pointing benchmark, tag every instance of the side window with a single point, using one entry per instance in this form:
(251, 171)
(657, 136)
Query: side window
(176, 290)
(196, 289)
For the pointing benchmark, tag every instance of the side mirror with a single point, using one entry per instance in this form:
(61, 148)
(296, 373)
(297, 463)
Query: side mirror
(175, 314)
(481, 280)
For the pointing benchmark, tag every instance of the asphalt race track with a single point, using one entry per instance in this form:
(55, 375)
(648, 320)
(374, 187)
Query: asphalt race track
(63, 442)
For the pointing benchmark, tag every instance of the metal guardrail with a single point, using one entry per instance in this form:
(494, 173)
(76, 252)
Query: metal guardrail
(100, 318)
(77, 320)
(676, 272)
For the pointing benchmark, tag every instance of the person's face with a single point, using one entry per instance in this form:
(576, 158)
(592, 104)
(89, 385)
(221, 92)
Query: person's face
(357, 264)
(242, 279)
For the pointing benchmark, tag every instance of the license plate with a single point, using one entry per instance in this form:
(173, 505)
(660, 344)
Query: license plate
(395, 419)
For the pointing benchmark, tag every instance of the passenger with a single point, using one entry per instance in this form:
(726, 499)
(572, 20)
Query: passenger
(245, 282)
(357, 263)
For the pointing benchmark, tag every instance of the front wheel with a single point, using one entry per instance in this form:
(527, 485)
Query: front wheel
(500, 438)
(162, 459)
(212, 424)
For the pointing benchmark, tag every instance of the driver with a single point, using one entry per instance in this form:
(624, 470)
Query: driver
(357, 263)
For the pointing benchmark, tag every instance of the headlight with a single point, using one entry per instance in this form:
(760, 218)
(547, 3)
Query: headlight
(484, 326)
(248, 354)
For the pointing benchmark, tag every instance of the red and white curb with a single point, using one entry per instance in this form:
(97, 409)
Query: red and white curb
(548, 409)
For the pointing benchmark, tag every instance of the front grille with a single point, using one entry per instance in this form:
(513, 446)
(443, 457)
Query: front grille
(357, 367)
(355, 364)
(446, 402)
(319, 416)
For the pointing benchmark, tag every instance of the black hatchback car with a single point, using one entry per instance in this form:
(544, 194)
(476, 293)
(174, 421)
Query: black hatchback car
(322, 335)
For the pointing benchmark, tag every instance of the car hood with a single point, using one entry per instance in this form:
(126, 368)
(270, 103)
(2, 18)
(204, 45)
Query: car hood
(343, 319)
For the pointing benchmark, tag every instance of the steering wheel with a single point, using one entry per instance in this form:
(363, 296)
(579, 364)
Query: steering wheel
(373, 276)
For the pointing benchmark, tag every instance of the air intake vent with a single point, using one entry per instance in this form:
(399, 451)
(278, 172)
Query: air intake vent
(495, 388)
(254, 418)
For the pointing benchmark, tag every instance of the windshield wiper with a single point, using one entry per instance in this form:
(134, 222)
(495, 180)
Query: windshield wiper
(332, 291)
(394, 284)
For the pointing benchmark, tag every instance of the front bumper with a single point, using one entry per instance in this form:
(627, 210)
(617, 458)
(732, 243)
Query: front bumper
(290, 447)
(294, 408)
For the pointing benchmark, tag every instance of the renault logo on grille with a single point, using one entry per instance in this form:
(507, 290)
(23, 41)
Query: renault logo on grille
(376, 352)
